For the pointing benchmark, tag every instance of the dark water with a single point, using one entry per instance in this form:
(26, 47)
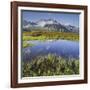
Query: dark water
(64, 48)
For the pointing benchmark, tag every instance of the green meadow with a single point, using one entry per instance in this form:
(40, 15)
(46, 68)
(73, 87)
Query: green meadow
(43, 35)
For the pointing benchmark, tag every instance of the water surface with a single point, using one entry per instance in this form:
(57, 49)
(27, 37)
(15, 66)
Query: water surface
(63, 48)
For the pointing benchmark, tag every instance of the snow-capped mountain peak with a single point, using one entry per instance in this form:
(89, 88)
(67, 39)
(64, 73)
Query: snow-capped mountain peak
(49, 24)
(43, 22)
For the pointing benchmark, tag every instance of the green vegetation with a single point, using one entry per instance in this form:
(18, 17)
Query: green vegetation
(45, 35)
(50, 65)
(27, 44)
(26, 38)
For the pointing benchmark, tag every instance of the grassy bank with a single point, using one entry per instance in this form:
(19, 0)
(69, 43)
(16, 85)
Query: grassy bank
(42, 35)
(50, 65)
(27, 44)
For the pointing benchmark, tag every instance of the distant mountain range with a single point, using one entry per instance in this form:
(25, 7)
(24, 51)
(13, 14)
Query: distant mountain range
(50, 25)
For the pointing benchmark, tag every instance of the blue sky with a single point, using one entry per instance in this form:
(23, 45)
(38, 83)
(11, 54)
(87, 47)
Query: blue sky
(63, 18)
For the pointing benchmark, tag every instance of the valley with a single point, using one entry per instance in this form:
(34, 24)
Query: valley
(49, 48)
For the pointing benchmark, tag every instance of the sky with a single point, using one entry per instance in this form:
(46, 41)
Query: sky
(61, 17)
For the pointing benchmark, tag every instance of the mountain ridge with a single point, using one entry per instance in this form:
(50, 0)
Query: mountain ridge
(50, 25)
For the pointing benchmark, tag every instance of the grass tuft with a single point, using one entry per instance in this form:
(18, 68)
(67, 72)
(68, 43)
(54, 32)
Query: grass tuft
(50, 65)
